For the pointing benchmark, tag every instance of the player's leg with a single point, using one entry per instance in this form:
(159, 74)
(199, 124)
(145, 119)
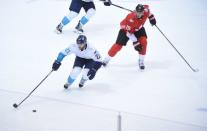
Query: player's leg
(74, 8)
(88, 64)
(142, 39)
(77, 67)
(122, 39)
(84, 77)
(90, 10)
(73, 75)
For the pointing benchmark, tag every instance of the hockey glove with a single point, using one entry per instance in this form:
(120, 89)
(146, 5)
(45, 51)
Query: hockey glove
(137, 46)
(104, 64)
(92, 72)
(56, 65)
(107, 2)
(152, 20)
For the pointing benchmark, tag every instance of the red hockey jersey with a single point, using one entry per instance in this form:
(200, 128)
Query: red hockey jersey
(132, 24)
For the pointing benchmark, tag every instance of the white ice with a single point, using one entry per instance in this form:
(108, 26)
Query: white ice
(167, 96)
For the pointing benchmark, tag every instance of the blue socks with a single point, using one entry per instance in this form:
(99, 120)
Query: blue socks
(83, 20)
(70, 80)
(65, 21)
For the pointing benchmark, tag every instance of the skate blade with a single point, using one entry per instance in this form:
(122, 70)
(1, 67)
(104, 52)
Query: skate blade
(78, 32)
(57, 32)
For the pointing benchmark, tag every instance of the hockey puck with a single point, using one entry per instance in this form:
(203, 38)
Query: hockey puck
(15, 105)
(34, 110)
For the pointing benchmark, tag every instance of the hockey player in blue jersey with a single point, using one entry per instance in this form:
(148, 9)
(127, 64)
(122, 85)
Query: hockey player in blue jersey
(88, 60)
(75, 8)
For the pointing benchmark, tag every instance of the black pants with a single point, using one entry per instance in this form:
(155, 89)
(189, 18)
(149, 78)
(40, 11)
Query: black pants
(122, 39)
(76, 5)
(82, 62)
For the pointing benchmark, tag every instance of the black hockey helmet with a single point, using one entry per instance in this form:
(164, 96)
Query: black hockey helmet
(82, 42)
(81, 39)
(139, 11)
(140, 8)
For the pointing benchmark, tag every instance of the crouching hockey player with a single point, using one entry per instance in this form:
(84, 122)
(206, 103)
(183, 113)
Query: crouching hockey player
(88, 60)
(75, 8)
(132, 27)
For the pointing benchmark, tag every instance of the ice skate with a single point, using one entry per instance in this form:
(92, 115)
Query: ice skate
(82, 82)
(66, 85)
(106, 61)
(141, 64)
(79, 28)
(59, 29)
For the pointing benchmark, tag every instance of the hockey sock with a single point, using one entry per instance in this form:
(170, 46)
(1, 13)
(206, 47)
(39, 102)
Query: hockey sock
(141, 57)
(65, 21)
(70, 80)
(114, 49)
(84, 20)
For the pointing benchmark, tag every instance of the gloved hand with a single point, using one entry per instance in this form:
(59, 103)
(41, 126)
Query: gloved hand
(91, 73)
(56, 65)
(152, 20)
(107, 2)
(137, 46)
(104, 64)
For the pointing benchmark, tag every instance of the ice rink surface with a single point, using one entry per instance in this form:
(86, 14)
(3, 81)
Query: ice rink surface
(167, 96)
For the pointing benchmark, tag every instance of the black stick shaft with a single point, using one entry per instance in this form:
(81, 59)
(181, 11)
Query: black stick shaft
(35, 88)
(194, 70)
(121, 7)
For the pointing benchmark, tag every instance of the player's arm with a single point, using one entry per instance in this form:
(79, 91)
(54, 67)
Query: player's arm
(60, 57)
(151, 16)
(96, 65)
(123, 24)
(127, 25)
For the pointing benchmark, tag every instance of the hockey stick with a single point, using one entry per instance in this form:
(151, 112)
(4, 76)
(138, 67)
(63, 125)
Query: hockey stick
(16, 105)
(119, 6)
(193, 69)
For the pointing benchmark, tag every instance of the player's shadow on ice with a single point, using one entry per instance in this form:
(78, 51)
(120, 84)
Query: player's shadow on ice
(101, 88)
(202, 109)
(122, 65)
(95, 29)
(69, 33)
(30, 1)
(163, 65)
(98, 28)
(150, 65)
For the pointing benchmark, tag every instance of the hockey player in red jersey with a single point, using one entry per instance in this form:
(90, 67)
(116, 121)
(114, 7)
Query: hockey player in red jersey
(132, 27)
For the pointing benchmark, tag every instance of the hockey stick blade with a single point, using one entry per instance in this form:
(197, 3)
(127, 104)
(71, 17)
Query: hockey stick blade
(15, 105)
(196, 70)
